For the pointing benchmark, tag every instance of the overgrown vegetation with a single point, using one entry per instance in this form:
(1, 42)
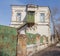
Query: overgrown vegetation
(8, 41)
(31, 38)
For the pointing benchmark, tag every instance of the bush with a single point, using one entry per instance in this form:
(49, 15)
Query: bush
(8, 41)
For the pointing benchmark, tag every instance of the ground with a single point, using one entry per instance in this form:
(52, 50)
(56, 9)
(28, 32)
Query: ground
(50, 51)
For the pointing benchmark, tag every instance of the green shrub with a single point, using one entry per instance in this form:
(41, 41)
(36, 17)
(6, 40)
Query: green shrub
(8, 41)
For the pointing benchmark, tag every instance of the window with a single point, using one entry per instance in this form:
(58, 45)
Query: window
(42, 17)
(18, 17)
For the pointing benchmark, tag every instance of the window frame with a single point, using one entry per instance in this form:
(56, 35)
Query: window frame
(42, 20)
(18, 18)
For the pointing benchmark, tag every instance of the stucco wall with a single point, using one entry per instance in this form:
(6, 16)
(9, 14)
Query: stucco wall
(40, 29)
(15, 10)
(42, 10)
(22, 10)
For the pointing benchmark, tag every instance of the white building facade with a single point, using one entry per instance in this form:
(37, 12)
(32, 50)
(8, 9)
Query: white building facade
(36, 18)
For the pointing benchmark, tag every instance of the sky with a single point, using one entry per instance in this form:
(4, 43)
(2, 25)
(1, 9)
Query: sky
(5, 7)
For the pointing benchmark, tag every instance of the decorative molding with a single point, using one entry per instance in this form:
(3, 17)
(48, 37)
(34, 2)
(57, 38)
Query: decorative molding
(19, 10)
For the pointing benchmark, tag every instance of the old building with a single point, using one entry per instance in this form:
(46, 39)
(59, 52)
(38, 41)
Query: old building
(36, 18)
(32, 21)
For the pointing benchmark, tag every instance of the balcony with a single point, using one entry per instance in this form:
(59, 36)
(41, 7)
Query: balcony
(30, 17)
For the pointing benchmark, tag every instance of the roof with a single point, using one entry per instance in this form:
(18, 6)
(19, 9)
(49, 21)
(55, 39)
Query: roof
(30, 5)
(34, 6)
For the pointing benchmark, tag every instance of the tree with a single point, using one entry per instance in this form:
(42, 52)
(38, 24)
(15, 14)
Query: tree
(54, 12)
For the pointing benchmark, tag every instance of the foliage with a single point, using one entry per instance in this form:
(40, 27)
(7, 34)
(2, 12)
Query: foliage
(8, 41)
(41, 39)
(31, 38)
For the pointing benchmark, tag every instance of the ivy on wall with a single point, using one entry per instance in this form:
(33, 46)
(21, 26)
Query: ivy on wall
(31, 38)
